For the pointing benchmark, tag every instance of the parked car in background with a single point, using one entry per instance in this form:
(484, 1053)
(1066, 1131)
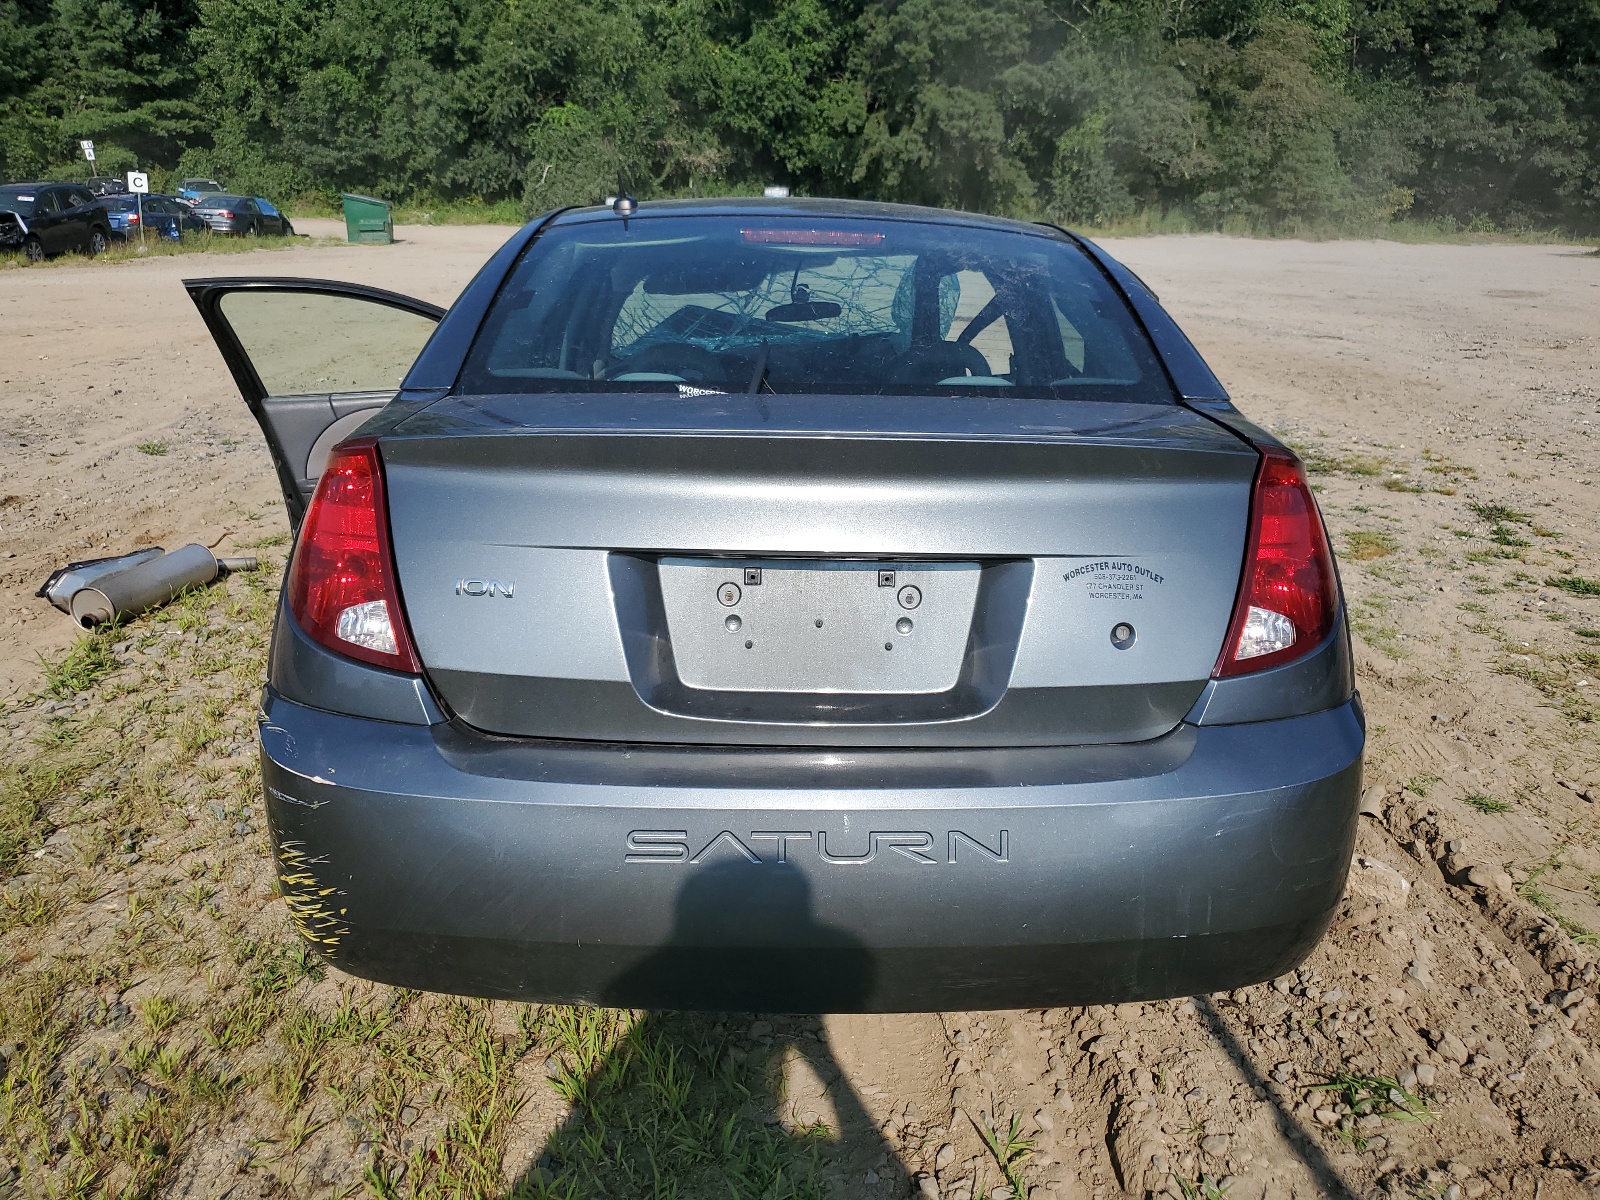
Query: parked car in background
(245, 216)
(163, 216)
(765, 606)
(53, 218)
(191, 190)
(106, 185)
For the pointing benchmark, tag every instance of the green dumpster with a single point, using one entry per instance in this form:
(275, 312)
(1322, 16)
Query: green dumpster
(367, 219)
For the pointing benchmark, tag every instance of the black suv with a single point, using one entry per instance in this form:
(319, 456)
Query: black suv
(42, 219)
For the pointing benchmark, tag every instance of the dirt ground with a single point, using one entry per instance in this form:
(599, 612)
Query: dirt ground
(1441, 1042)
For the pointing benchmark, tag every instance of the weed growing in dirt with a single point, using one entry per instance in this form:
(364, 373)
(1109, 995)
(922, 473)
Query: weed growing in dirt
(1576, 584)
(85, 662)
(1535, 895)
(154, 449)
(1438, 464)
(1375, 1096)
(1503, 535)
(271, 540)
(1364, 544)
(1399, 483)
(1486, 804)
(1204, 1188)
(1323, 462)
(1495, 513)
(1010, 1150)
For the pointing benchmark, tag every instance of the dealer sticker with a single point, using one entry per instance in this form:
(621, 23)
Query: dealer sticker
(1110, 579)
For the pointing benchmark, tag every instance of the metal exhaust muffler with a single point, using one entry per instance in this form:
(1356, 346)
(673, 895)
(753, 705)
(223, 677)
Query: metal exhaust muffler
(65, 582)
(148, 584)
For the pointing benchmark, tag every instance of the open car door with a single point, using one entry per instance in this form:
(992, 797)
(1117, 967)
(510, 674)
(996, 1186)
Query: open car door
(314, 359)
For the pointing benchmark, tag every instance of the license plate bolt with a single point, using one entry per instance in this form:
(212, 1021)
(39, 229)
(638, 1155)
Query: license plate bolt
(728, 594)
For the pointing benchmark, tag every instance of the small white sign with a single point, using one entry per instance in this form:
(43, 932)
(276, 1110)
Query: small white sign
(88, 150)
(139, 183)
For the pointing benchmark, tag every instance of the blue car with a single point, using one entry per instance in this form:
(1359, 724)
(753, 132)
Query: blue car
(163, 216)
(191, 190)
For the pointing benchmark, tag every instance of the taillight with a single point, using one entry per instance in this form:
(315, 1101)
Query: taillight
(224, 214)
(1289, 595)
(342, 583)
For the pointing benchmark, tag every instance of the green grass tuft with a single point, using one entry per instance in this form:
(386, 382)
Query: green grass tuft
(81, 667)
(1576, 584)
(1485, 804)
(154, 449)
(1495, 513)
(1364, 545)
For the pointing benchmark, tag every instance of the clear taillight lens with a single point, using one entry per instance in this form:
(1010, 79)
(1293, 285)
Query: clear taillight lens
(342, 588)
(1289, 595)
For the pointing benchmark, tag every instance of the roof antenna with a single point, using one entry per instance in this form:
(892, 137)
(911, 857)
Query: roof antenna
(624, 205)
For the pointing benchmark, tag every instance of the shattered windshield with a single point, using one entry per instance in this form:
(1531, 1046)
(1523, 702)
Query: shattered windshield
(694, 305)
(17, 200)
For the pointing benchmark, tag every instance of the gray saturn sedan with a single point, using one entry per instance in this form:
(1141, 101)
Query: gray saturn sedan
(792, 606)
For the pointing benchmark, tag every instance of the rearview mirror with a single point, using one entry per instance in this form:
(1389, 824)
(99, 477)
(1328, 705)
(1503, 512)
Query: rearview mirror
(809, 310)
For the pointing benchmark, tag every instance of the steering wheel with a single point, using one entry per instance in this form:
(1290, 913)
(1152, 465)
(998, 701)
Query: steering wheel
(691, 363)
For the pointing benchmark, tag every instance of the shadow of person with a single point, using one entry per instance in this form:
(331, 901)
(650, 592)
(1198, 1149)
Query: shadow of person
(690, 1101)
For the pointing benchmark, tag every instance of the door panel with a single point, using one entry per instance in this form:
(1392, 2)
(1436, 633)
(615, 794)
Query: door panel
(313, 360)
(48, 223)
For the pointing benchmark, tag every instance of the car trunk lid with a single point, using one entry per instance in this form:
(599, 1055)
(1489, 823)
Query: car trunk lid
(803, 570)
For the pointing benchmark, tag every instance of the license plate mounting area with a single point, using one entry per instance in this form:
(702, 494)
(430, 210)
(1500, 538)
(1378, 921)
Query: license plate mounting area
(818, 626)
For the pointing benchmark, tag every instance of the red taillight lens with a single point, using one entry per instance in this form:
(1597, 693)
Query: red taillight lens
(225, 215)
(1289, 596)
(342, 583)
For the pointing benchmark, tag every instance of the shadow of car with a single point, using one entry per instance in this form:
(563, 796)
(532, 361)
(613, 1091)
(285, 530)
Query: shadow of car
(163, 216)
(244, 216)
(46, 219)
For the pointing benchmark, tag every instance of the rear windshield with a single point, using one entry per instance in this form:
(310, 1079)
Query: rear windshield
(18, 200)
(689, 305)
(221, 201)
(120, 203)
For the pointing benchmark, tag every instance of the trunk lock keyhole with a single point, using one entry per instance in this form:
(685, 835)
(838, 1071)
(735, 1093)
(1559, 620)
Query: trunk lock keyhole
(1122, 635)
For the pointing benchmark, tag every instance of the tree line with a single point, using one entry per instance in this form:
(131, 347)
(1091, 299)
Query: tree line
(1267, 114)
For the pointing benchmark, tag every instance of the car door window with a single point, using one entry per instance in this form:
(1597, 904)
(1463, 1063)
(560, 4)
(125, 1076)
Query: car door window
(266, 208)
(308, 344)
(247, 206)
(49, 204)
(78, 198)
(312, 361)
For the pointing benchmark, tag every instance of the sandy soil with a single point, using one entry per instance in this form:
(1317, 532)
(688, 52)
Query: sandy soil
(1419, 381)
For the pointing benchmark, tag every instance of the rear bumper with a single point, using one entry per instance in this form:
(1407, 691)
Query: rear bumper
(792, 880)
